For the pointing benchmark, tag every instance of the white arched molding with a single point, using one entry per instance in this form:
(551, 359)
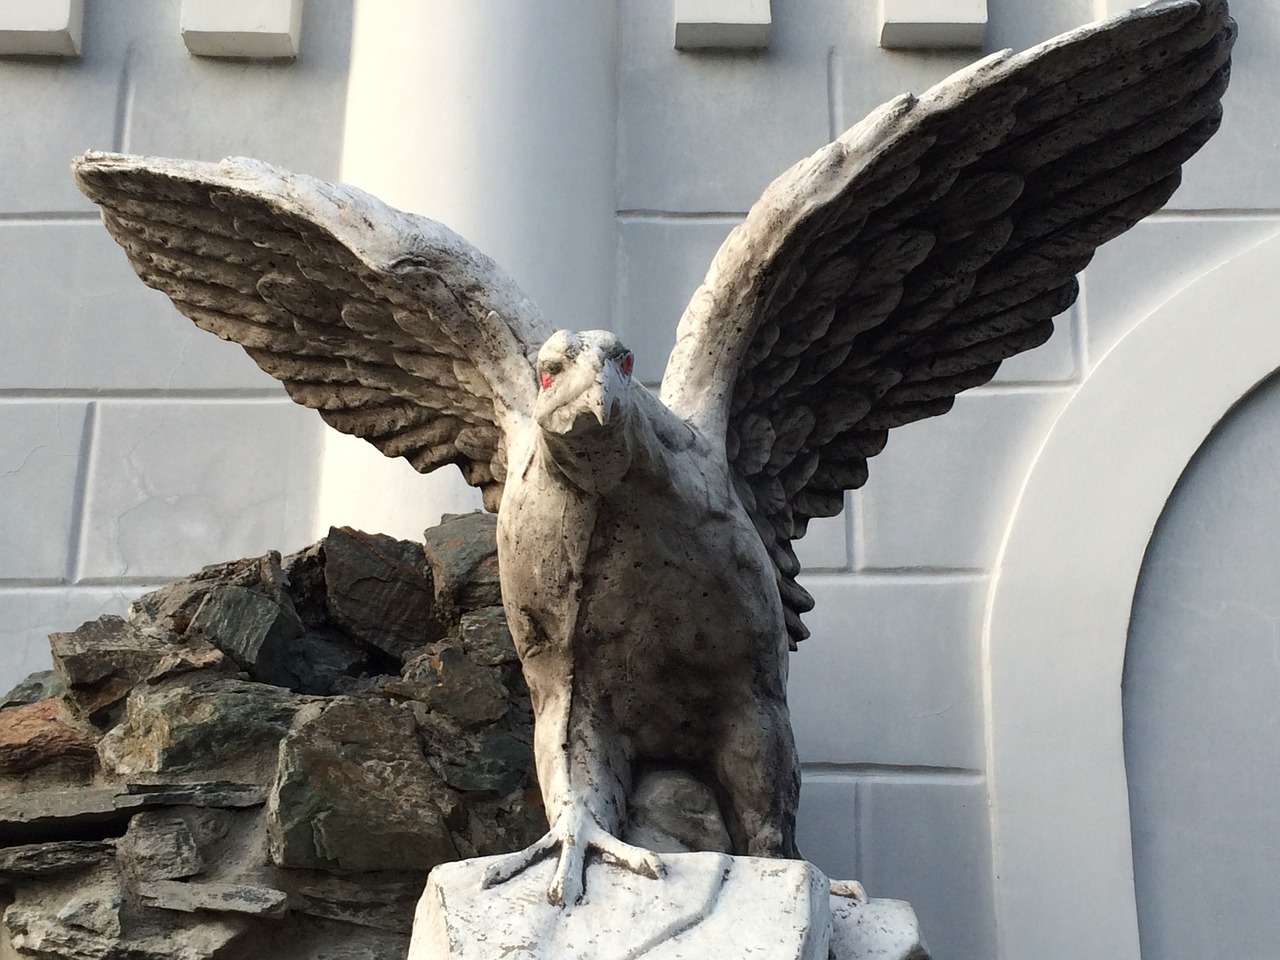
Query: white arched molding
(1060, 603)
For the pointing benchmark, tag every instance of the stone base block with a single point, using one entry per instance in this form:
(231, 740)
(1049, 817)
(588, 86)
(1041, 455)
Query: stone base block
(708, 906)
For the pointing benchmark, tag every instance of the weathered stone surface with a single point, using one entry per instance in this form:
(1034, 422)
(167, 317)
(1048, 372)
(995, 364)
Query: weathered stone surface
(707, 905)
(379, 589)
(38, 734)
(159, 846)
(41, 860)
(875, 930)
(486, 638)
(670, 811)
(449, 682)
(39, 686)
(36, 933)
(216, 897)
(94, 912)
(170, 609)
(256, 631)
(368, 900)
(353, 792)
(304, 576)
(499, 765)
(463, 554)
(103, 659)
(189, 658)
(202, 725)
(512, 823)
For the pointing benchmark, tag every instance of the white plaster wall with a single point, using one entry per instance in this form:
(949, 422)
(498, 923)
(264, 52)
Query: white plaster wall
(133, 447)
(892, 694)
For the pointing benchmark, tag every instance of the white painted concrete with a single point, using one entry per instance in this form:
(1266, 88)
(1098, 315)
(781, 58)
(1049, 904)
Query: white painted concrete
(41, 28)
(253, 29)
(1059, 611)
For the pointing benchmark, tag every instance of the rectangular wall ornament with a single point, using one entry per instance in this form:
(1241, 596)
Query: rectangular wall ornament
(722, 24)
(41, 28)
(932, 24)
(252, 29)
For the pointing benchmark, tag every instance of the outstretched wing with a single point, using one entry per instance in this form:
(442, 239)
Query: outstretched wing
(390, 325)
(899, 265)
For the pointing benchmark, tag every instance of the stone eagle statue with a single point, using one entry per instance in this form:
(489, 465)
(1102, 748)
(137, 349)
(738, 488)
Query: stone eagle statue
(645, 541)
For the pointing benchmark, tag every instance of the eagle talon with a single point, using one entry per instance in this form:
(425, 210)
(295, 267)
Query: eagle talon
(575, 836)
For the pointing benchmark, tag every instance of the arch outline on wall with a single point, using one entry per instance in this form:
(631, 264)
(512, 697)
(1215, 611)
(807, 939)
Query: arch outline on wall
(1061, 598)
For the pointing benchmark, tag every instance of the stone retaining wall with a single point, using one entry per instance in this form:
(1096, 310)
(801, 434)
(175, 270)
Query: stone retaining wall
(267, 757)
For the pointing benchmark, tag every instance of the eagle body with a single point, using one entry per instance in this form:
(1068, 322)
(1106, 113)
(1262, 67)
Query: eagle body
(654, 606)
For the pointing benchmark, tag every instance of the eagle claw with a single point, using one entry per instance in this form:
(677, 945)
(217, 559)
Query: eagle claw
(575, 834)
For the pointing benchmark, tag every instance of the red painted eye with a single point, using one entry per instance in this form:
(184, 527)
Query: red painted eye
(544, 378)
(628, 363)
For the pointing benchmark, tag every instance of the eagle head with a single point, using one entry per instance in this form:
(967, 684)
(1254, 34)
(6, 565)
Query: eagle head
(584, 380)
(584, 407)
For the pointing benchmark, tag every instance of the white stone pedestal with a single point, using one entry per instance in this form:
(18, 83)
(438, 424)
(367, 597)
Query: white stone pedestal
(708, 906)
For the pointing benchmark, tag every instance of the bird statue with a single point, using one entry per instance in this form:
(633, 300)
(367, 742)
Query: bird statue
(645, 542)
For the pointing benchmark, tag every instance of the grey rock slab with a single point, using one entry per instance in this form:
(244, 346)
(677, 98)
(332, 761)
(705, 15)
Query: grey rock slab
(707, 905)
(41, 734)
(449, 682)
(256, 631)
(49, 815)
(353, 792)
(102, 660)
(170, 608)
(498, 766)
(217, 897)
(33, 861)
(100, 812)
(366, 901)
(486, 638)
(202, 725)
(875, 930)
(463, 554)
(211, 793)
(95, 912)
(35, 932)
(160, 846)
(38, 686)
(380, 590)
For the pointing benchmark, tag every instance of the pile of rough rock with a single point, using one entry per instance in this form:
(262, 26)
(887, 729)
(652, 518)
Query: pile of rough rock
(266, 758)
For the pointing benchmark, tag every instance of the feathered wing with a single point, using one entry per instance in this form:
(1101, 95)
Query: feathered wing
(390, 325)
(899, 265)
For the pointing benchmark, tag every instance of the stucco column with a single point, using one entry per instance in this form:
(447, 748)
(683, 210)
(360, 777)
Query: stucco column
(497, 118)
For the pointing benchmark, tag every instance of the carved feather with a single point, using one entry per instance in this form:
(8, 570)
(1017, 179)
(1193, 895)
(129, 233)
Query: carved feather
(899, 265)
(393, 327)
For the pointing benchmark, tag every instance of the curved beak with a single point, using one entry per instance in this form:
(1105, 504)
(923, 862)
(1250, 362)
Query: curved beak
(604, 398)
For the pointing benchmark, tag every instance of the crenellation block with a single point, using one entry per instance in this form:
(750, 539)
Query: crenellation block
(41, 28)
(244, 29)
(932, 24)
(722, 24)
